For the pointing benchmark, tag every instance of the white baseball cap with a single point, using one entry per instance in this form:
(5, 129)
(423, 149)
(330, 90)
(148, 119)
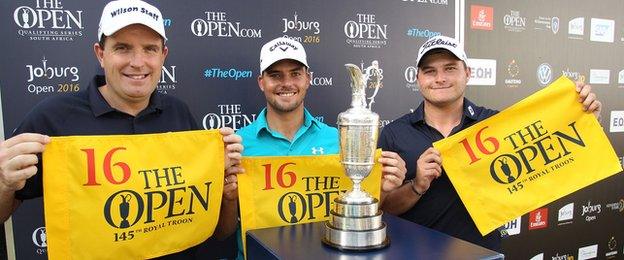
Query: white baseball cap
(279, 49)
(442, 42)
(121, 13)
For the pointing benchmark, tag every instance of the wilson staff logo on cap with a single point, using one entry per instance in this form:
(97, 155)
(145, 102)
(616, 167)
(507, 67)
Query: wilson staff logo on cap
(121, 13)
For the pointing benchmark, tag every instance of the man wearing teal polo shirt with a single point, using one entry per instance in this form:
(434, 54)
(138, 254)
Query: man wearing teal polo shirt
(286, 127)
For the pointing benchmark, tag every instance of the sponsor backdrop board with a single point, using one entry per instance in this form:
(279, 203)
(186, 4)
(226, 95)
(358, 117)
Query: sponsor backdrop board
(529, 45)
(213, 60)
(213, 65)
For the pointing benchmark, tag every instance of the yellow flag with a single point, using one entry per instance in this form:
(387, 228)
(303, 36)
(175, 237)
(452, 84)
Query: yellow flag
(532, 153)
(287, 190)
(131, 196)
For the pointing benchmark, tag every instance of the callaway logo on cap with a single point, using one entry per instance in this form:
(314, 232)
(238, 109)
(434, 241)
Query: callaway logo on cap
(442, 42)
(121, 13)
(281, 49)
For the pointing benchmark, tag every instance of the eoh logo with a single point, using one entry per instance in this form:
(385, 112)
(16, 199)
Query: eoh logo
(512, 227)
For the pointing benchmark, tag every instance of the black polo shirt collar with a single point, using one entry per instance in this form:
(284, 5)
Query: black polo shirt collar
(471, 111)
(99, 106)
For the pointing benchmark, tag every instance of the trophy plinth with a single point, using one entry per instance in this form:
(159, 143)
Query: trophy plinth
(355, 220)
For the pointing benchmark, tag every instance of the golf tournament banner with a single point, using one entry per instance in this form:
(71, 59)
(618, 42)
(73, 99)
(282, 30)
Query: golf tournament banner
(286, 190)
(131, 196)
(532, 153)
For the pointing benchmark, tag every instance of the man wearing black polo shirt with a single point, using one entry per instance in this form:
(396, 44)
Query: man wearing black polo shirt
(428, 197)
(131, 50)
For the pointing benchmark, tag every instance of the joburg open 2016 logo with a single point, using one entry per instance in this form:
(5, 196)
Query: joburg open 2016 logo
(309, 29)
(46, 78)
(48, 21)
(537, 152)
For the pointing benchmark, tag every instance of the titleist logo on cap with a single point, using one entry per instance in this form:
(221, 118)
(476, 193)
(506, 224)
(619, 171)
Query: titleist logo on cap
(437, 42)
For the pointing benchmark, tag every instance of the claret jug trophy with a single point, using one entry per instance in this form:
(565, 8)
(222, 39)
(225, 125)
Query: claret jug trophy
(355, 220)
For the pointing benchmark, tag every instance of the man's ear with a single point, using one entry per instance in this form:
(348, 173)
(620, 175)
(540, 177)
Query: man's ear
(261, 82)
(99, 53)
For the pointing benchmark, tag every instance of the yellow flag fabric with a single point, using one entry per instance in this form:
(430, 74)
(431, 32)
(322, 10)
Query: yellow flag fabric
(536, 151)
(288, 190)
(131, 196)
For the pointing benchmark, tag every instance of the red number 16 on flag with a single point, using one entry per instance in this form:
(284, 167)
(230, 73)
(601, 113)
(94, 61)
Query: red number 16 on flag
(106, 166)
(480, 145)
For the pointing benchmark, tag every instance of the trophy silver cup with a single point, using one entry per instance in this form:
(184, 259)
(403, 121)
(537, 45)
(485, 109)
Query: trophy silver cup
(355, 220)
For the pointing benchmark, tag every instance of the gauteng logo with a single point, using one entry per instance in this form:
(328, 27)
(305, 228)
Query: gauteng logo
(216, 24)
(365, 32)
(48, 21)
(513, 70)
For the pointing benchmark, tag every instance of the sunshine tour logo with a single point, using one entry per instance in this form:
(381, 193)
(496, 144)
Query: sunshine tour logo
(294, 207)
(125, 208)
(537, 152)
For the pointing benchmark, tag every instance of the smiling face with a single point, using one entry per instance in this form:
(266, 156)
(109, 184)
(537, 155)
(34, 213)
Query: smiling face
(132, 60)
(284, 84)
(442, 78)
